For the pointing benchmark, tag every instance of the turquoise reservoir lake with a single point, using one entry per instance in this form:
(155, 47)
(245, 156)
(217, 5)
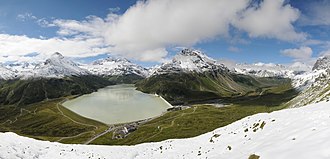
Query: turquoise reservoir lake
(117, 104)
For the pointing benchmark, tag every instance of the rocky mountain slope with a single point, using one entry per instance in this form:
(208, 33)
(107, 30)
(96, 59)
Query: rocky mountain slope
(289, 133)
(314, 85)
(323, 63)
(6, 73)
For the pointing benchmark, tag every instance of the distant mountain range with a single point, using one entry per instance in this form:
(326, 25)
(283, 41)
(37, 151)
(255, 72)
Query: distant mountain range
(200, 73)
(272, 70)
(187, 60)
(58, 66)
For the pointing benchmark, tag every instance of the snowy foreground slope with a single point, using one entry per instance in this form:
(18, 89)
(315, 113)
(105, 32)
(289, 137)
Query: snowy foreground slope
(291, 133)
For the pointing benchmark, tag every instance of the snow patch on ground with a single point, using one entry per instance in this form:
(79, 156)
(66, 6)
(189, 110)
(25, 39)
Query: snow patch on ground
(291, 133)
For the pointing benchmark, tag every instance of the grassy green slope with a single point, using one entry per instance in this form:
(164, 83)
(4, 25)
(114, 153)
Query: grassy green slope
(186, 123)
(48, 121)
(204, 118)
(194, 87)
(44, 120)
(125, 79)
(30, 108)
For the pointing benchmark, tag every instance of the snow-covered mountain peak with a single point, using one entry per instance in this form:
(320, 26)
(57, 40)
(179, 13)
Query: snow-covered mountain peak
(112, 66)
(191, 52)
(59, 59)
(189, 60)
(56, 66)
(194, 56)
(323, 63)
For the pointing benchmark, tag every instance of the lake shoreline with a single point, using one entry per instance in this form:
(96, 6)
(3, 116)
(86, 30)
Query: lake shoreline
(118, 104)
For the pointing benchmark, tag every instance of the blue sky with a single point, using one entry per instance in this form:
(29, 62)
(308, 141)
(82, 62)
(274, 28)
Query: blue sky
(91, 29)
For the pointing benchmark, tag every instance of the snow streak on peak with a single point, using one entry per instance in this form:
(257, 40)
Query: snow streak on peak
(291, 133)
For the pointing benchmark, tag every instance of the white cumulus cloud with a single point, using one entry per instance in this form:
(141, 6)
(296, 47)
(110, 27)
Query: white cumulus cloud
(147, 29)
(300, 54)
(154, 25)
(270, 19)
(13, 46)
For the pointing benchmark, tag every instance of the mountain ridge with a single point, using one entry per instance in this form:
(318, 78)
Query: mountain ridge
(111, 66)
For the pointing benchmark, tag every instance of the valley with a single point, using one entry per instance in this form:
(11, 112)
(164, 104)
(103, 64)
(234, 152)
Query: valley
(201, 118)
(123, 105)
(174, 124)
(165, 79)
(35, 105)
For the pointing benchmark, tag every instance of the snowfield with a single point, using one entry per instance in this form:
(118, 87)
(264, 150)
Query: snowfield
(291, 133)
